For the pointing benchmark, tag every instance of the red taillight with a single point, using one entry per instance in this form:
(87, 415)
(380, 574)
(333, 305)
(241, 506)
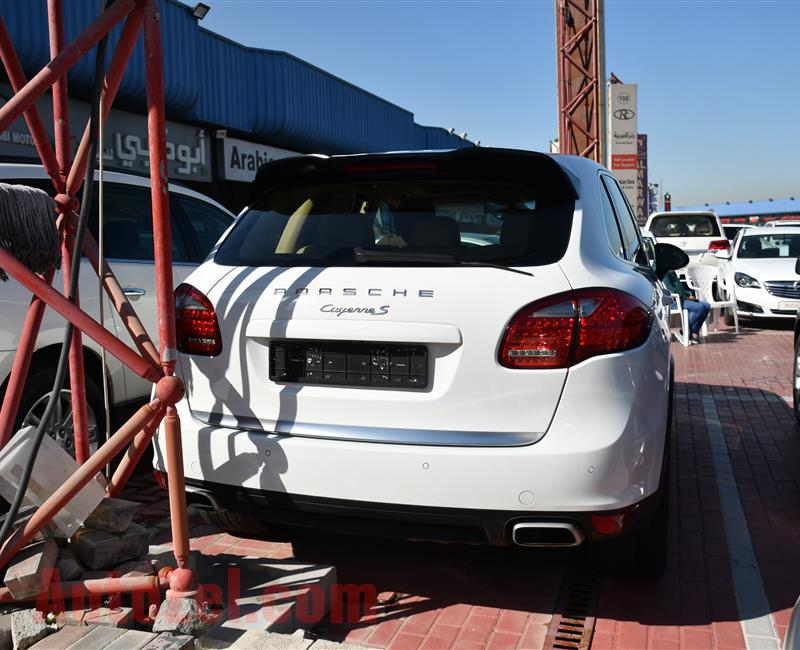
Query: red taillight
(613, 522)
(196, 324)
(565, 329)
(719, 245)
(161, 479)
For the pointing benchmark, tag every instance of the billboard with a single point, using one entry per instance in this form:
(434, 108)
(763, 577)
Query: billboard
(623, 144)
(125, 143)
(642, 205)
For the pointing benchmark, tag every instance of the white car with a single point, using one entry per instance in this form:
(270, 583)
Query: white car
(763, 266)
(778, 223)
(351, 364)
(128, 232)
(733, 229)
(696, 233)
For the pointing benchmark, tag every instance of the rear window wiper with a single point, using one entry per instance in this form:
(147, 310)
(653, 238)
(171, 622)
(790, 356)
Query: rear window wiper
(364, 256)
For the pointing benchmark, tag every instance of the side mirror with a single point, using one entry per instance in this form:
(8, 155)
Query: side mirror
(669, 258)
(723, 255)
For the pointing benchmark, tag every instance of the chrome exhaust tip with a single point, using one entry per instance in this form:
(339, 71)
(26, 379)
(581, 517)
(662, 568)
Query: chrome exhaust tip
(201, 499)
(547, 534)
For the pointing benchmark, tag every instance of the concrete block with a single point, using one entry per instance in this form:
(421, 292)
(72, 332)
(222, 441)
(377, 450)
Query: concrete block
(29, 573)
(101, 550)
(68, 566)
(183, 616)
(112, 515)
(167, 641)
(98, 636)
(116, 617)
(27, 627)
(257, 639)
(66, 637)
(5, 632)
(131, 640)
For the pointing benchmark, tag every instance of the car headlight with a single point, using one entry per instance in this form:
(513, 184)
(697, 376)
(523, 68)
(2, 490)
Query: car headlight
(745, 281)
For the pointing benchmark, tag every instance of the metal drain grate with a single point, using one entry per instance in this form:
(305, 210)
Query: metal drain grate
(572, 625)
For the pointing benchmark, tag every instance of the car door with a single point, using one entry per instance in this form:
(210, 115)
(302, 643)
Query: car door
(632, 248)
(128, 249)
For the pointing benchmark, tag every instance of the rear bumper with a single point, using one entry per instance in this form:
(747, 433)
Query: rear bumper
(603, 452)
(397, 521)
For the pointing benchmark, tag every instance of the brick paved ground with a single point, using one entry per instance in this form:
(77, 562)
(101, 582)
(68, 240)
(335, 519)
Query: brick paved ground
(463, 597)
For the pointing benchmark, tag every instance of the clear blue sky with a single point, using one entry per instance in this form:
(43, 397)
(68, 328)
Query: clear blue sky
(719, 82)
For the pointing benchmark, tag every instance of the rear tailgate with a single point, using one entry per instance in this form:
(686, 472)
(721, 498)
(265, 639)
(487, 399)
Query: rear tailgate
(457, 316)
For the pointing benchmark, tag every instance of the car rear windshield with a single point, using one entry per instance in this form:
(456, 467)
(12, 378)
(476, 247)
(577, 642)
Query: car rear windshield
(766, 246)
(697, 225)
(326, 224)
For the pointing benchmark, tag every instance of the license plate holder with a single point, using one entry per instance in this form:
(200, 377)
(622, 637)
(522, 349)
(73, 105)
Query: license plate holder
(349, 363)
(789, 305)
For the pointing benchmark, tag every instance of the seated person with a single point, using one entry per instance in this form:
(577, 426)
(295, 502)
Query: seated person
(698, 309)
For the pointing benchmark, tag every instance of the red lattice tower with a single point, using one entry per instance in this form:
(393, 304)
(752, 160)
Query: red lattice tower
(154, 365)
(580, 62)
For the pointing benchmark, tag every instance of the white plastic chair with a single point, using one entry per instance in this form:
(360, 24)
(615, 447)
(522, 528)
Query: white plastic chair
(701, 278)
(676, 309)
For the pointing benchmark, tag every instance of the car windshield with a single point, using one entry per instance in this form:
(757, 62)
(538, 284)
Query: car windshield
(326, 225)
(770, 246)
(689, 225)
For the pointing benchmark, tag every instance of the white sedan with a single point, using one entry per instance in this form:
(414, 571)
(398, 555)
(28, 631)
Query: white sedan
(763, 270)
(411, 384)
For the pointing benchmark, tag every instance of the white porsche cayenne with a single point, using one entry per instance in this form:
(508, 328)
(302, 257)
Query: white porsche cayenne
(351, 364)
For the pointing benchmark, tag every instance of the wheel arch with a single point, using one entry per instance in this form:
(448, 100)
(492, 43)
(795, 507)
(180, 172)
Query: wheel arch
(48, 356)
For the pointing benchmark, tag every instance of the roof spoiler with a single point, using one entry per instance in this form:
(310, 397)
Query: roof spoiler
(518, 167)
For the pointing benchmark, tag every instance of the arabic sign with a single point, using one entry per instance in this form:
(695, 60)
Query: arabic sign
(125, 143)
(642, 198)
(241, 159)
(622, 138)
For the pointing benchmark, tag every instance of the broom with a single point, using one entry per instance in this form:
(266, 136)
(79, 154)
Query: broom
(28, 228)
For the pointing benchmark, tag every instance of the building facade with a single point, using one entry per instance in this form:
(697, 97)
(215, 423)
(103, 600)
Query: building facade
(230, 108)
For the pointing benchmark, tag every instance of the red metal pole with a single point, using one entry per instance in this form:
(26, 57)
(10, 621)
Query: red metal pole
(55, 15)
(81, 477)
(132, 457)
(177, 488)
(22, 363)
(78, 318)
(159, 187)
(58, 67)
(35, 125)
(97, 586)
(114, 74)
(183, 580)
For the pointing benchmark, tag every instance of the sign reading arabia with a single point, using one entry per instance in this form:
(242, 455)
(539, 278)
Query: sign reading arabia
(642, 204)
(125, 142)
(241, 159)
(623, 145)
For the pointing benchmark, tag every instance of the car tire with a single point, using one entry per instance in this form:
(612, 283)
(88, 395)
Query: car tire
(796, 381)
(34, 396)
(729, 321)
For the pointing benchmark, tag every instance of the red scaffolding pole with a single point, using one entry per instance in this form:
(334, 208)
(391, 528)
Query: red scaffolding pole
(67, 176)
